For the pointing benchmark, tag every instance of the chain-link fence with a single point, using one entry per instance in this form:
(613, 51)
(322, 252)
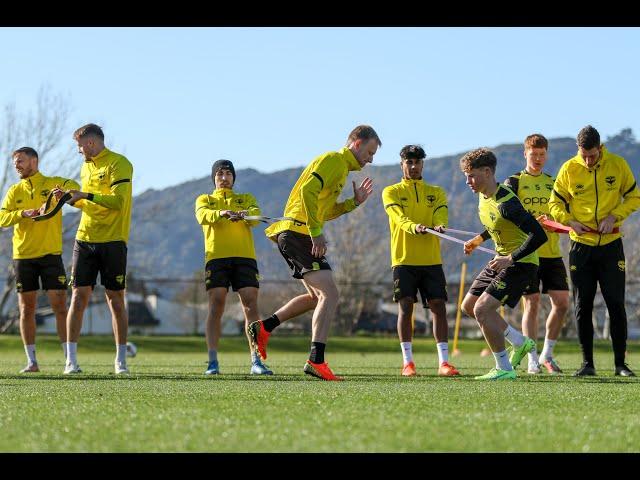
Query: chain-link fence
(169, 306)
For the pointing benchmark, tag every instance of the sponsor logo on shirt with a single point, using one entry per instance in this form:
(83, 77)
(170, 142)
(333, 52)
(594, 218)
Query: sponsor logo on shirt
(535, 201)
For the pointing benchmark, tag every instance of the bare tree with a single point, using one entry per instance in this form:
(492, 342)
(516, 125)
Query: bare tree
(45, 128)
(358, 253)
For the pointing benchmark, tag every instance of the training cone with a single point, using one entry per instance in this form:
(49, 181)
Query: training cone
(485, 352)
(456, 352)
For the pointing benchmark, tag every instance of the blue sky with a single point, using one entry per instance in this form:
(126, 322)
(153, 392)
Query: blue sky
(176, 99)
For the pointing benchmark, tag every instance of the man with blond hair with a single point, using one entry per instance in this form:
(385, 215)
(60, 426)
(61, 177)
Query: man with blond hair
(533, 187)
(101, 240)
(302, 243)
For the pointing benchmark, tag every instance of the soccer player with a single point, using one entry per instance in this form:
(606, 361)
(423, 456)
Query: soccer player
(37, 249)
(230, 257)
(593, 193)
(517, 236)
(301, 242)
(413, 205)
(101, 240)
(533, 187)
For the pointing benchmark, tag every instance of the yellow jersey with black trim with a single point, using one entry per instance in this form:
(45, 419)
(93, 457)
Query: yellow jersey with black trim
(313, 199)
(107, 217)
(33, 239)
(222, 237)
(534, 192)
(589, 195)
(408, 204)
(501, 214)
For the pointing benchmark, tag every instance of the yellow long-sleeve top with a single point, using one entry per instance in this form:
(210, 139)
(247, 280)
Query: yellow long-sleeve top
(222, 237)
(33, 239)
(408, 204)
(107, 217)
(313, 198)
(589, 195)
(534, 192)
(514, 231)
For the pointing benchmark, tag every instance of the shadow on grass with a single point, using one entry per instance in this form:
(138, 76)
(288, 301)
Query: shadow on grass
(605, 379)
(136, 377)
(387, 375)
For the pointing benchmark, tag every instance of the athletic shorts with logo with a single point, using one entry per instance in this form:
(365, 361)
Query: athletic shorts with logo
(296, 250)
(31, 271)
(429, 280)
(552, 274)
(506, 286)
(108, 258)
(239, 272)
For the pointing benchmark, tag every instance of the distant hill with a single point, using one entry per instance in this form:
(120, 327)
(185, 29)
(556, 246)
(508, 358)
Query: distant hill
(166, 241)
(170, 243)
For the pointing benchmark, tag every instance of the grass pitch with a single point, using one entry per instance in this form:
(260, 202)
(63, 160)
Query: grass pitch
(168, 405)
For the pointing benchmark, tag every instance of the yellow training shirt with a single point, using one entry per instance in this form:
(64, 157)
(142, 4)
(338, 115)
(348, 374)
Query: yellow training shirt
(589, 195)
(409, 203)
(33, 239)
(534, 192)
(107, 217)
(502, 214)
(222, 237)
(313, 198)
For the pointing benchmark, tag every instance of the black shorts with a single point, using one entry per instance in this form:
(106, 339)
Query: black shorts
(238, 272)
(508, 285)
(552, 274)
(296, 250)
(109, 259)
(48, 269)
(427, 279)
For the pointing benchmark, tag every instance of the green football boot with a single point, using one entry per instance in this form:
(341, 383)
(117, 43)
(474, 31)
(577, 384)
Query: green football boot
(497, 374)
(518, 353)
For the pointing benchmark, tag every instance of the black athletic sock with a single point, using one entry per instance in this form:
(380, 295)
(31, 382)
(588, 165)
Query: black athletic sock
(317, 352)
(270, 323)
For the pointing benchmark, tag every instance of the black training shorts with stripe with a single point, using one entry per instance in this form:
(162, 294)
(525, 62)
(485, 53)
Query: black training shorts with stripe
(108, 258)
(506, 286)
(48, 269)
(429, 280)
(237, 272)
(296, 249)
(552, 274)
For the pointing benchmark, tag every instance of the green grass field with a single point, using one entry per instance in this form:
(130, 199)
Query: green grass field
(167, 405)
